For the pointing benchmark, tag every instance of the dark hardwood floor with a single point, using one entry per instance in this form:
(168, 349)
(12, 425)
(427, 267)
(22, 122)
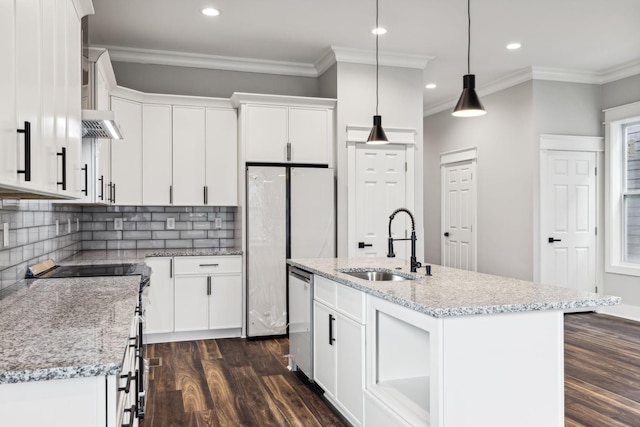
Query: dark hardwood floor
(602, 371)
(234, 382)
(230, 382)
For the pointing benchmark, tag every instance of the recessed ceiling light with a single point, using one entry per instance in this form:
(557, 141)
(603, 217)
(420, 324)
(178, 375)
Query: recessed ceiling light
(431, 86)
(514, 46)
(379, 31)
(209, 11)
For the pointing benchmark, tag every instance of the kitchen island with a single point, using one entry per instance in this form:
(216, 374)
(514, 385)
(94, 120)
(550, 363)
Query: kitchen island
(456, 348)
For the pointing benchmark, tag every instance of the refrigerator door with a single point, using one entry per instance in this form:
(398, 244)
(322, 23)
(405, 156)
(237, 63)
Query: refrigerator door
(266, 251)
(312, 210)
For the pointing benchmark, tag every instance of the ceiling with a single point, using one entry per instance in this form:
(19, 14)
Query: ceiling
(589, 41)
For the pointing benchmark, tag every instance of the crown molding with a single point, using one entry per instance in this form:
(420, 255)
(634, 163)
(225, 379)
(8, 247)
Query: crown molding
(621, 72)
(240, 98)
(215, 62)
(565, 75)
(390, 59)
(83, 8)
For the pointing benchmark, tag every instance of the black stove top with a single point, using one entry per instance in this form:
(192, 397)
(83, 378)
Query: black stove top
(92, 270)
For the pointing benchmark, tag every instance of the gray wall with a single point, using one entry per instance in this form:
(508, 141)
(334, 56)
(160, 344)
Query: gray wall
(32, 236)
(173, 80)
(504, 173)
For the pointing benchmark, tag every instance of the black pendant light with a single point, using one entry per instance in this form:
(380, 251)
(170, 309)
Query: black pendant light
(469, 104)
(377, 135)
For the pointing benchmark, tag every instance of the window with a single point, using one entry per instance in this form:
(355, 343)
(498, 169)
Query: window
(631, 192)
(622, 196)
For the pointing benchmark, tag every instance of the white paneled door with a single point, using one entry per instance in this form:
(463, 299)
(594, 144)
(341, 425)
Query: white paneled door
(380, 189)
(458, 215)
(568, 222)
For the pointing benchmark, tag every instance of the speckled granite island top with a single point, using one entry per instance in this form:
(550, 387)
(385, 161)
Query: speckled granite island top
(452, 292)
(65, 328)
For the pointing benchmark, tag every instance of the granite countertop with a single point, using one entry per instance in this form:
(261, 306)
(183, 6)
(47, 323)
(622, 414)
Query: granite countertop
(453, 292)
(133, 255)
(65, 328)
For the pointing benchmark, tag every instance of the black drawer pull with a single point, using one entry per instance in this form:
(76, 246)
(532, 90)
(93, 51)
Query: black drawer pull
(64, 168)
(209, 265)
(363, 245)
(27, 151)
(331, 338)
(551, 240)
(127, 386)
(132, 414)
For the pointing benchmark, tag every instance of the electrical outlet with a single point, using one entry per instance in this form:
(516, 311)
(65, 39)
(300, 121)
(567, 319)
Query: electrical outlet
(171, 223)
(77, 224)
(68, 225)
(5, 234)
(57, 227)
(117, 224)
(218, 223)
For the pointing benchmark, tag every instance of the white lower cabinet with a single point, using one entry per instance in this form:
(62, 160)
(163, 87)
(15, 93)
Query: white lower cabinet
(194, 297)
(159, 310)
(338, 342)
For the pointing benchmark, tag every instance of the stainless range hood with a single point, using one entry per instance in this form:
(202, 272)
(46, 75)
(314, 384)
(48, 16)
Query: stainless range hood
(95, 123)
(99, 124)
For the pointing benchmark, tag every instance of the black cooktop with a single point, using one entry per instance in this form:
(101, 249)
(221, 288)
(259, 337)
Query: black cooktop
(92, 270)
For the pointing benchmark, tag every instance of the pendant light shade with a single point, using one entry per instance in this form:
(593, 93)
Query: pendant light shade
(377, 135)
(469, 104)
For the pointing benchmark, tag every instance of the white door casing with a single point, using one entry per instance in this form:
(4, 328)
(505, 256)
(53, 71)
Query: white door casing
(380, 190)
(402, 140)
(568, 222)
(459, 209)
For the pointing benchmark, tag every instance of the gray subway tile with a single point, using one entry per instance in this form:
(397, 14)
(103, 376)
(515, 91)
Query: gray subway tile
(136, 235)
(201, 225)
(179, 244)
(107, 235)
(121, 244)
(149, 244)
(150, 225)
(164, 235)
(193, 234)
(206, 243)
(94, 244)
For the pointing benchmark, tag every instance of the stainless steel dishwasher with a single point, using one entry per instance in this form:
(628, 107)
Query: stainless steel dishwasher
(300, 315)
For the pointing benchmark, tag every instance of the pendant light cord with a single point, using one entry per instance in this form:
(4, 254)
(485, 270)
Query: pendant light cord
(469, 37)
(377, 35)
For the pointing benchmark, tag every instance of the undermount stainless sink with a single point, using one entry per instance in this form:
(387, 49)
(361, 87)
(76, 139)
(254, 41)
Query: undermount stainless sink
(377, 276)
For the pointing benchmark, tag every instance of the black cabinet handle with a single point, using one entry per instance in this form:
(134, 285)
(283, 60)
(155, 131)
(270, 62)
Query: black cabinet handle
(64, 168)
(363, 245)
(171, 268)
(101, 179)
(127, 386)
(27, 151)
(206, 195)
(114, 193)
(446, 234)
(331, 338)
(86, 180)
(551, 240)
(132, 414)
(171, 194)
(208, 285)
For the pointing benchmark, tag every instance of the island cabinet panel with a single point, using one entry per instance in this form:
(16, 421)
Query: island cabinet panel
(159, 311)
(338, 343)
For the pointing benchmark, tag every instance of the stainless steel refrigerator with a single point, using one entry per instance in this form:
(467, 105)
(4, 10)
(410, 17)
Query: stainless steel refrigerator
(290, 214)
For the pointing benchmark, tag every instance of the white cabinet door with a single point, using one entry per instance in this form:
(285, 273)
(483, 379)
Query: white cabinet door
(225, 302)
(103, 170)
(157, 160)
(191, 303)
(8, 137)
(126, 154)
(309, 135)
(159, 313)
(266, 136)
(188, 155)
(222, 157)
(52, 74)
(350, 365)
(324, 351)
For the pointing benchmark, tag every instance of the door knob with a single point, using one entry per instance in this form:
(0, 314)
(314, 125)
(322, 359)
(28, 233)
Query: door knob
(362, 245)
(551, 240)
(446, 234)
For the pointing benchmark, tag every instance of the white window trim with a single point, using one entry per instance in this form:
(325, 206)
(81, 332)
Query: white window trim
(614, 119)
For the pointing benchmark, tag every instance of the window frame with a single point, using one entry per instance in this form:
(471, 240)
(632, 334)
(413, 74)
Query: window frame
(615, 193)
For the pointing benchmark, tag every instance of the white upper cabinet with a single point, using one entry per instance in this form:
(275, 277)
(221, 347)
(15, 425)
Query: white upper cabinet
(284, 129)
(221, 157)
(188, 155)
(40, 126)
(157, 154)
(8, 135)
(126, 154)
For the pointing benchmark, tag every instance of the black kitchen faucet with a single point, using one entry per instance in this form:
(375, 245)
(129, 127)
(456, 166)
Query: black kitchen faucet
(414, 263)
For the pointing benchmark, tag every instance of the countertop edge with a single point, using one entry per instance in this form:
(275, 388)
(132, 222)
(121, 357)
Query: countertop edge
(59, 373)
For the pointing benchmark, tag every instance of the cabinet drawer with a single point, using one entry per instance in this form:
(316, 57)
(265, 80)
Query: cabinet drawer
(324, 290)
(208, 265)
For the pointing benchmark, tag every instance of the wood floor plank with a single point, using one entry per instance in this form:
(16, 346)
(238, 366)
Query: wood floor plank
(224, 400)
(166, 381)
(189, 378)
(291, 406)
(201, 419)
(168, 410)
(610, 404)
(262, 359)
(208, 349)
(234, 351)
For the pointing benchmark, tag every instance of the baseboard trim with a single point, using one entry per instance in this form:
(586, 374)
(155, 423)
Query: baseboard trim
(192, 335)
(625, 311)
